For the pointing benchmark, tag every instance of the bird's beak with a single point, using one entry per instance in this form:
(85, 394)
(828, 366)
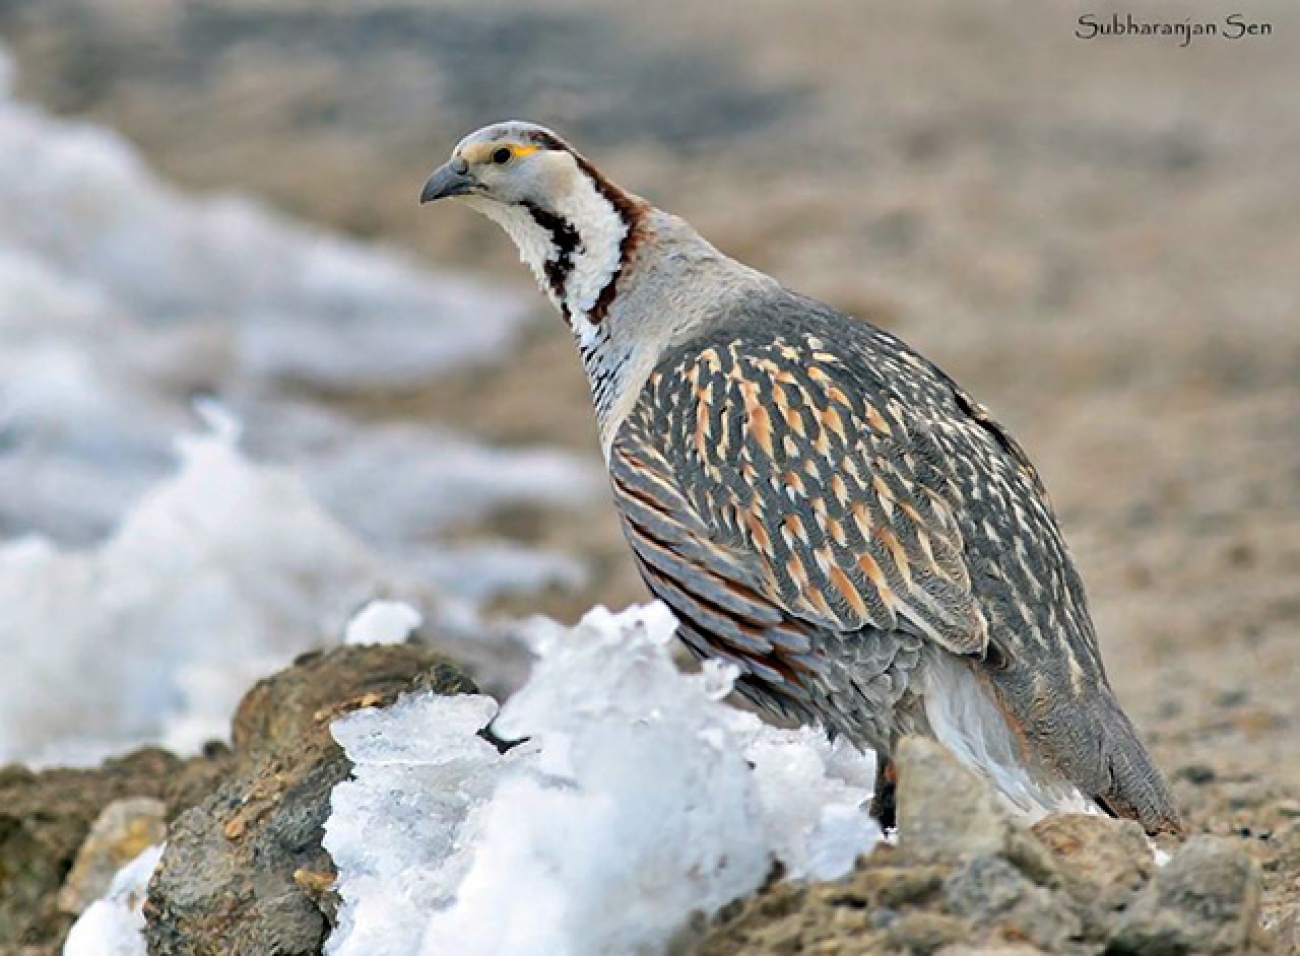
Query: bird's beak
(450, 179)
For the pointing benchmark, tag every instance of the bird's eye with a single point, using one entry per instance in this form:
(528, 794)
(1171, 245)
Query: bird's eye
(501, 156)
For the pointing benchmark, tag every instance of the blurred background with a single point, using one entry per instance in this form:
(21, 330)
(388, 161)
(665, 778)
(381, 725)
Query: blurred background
(216, 200)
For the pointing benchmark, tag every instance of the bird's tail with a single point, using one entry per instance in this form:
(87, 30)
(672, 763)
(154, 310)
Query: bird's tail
(1076, 756)
(1131, 786)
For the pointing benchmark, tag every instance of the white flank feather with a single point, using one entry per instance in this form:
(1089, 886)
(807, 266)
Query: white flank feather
(968, 722)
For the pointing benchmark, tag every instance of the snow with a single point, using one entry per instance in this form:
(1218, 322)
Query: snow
(146, 584)
(219, 575)
(382, 622)
(302, 305)
(638, 798)
(122, 298)
(114, 925)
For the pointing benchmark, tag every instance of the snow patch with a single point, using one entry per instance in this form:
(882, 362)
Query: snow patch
(138, 603)
(382, 622)
(218, 576)
(637, 797)
(121, 298)
(302, 305)
(114, 925)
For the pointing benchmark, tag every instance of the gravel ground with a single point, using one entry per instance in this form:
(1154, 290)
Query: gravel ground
(1100, 238)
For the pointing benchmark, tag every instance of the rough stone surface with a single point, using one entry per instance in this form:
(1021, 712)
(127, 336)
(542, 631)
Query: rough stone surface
(124, 829)
(244, 873)
(1105, 862)
(1206, 900)
(46, 817)
(984, 888)
(1286, 933)
(967, 879)
(944, 810)
(990, 890)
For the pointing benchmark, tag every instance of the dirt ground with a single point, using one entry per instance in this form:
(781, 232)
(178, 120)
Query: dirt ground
(1101, 239)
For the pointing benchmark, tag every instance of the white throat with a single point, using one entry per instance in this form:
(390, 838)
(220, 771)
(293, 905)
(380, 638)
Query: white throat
(601, 230)
(575, 252)
(585, 260)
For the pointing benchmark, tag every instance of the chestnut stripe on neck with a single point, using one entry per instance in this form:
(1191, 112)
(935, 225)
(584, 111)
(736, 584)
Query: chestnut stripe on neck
(631, 210)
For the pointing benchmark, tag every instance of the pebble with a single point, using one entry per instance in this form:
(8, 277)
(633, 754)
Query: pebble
(124, 829)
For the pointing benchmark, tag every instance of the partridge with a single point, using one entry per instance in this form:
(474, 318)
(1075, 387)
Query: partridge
(817, 503)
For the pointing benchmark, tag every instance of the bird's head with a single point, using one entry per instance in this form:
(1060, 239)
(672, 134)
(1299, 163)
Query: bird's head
(511, 164)
(573, 227)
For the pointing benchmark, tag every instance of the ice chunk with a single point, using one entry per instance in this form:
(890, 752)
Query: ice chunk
(114, 925)
(816, 828)
(382, 622)
(638, 797)
(399, 831)
(216, 577)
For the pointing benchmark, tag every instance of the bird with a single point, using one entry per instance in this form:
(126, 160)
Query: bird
(819, 505)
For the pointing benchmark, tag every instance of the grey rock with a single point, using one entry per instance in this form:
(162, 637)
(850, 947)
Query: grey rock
(1044, 921)
(990, 891)
(895, 886)
(945, 812)
(1105, 862)
(922, 932)
(1033, 859)
(1286, 933)
(984, 888)
(1206, 900)
(244, 873)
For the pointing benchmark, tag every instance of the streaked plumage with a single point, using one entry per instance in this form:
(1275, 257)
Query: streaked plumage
(815, 501)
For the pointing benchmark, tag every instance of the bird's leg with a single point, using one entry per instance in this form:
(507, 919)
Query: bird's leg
(883, 805)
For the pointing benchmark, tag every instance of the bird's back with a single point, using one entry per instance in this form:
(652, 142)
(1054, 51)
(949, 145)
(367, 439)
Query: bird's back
(840, 477)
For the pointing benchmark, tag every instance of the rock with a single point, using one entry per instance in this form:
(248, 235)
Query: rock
(968, 878)
(945, 812)
(1106, 861)
(1286, 933)
(123, 830)
(991, 891)
(46, 817)
(1045, 922)
(923, 933)
(834, 919)
(985, 888)
(244, 872)
(1206, 900)
(280, 712)
(1198, 774)
(895, 886)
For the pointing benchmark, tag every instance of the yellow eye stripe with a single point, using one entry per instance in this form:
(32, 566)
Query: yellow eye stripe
(482, 152)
